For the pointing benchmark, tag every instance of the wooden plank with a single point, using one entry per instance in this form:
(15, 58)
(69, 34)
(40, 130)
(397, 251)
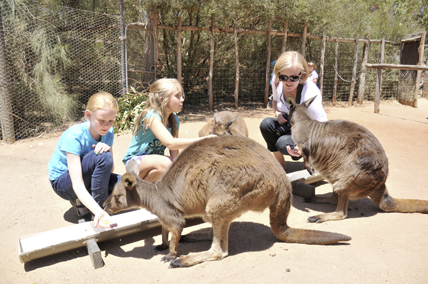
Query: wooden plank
(63, 239)
(398, 66)
(378, 88)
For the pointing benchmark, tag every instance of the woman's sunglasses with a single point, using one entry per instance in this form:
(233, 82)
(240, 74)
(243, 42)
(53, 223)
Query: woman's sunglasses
(293, 78)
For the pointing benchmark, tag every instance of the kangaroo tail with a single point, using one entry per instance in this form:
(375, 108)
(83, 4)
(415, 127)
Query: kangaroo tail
(279, 211)
(404, 205)
(387, 203)
(292, 235)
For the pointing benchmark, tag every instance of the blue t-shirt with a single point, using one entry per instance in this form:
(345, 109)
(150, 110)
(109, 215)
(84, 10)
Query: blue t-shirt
(75, 140)
(147, 143)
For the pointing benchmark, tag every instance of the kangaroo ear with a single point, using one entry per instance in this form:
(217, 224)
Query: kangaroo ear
(132, 168)
(307, 103)
(229, 123)
(290, 101)
(129, 181)
(217, 118)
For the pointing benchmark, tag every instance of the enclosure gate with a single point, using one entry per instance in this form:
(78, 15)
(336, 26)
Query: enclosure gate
(411, 54)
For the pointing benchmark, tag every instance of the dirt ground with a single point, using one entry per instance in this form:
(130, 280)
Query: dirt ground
(385, 247)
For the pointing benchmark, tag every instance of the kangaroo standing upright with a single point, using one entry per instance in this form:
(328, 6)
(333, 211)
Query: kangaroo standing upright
(219, 179)
(349, 157)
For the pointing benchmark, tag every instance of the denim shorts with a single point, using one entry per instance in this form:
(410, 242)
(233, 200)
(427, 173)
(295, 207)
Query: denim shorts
(137, 159)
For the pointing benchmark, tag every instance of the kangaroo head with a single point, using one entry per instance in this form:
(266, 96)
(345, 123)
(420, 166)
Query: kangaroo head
(296, 110)
(122, 195)
(220, 128)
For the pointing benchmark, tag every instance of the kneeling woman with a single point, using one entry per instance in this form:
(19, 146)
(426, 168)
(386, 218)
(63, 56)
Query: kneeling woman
(290, 79)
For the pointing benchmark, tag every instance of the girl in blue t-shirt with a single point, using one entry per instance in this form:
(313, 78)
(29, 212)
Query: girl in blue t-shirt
(80, 170)
(156, 128)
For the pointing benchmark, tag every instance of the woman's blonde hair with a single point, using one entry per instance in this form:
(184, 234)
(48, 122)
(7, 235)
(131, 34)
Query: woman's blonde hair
(311, 63)
(158, 99)
(102, 100)
(290, 59)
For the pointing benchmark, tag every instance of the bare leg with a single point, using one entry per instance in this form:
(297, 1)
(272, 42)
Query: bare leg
(280, 158)
(152, 167)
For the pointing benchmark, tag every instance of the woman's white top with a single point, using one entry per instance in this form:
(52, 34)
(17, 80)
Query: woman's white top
(310, 90)
(313, 75)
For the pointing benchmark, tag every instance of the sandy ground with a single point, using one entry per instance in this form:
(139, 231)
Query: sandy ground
(385, 247)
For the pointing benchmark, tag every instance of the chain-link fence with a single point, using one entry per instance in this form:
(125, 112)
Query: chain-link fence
(53, 59)
(51, 62)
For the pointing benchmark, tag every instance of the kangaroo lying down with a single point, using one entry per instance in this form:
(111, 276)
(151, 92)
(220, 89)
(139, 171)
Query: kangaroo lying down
(219, 179)
(349, 157)
(225, 123)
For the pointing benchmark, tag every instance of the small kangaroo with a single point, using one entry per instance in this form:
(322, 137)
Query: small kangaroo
(218, 179)
(225, 123)
(350, 158)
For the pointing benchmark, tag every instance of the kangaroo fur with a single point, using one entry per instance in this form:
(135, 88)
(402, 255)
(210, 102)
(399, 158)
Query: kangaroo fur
(218, 179)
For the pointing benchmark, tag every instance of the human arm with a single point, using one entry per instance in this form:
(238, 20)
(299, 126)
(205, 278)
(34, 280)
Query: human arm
(165, 137)
(278, 113)
(294, 152)
(75, 170)
(315, 80)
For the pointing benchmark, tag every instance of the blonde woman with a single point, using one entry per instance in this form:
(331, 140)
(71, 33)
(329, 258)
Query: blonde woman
(156, 128)
(290, 78)
(313, 75)
(80, 169)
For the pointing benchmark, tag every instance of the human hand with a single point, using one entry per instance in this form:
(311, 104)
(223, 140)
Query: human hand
(294, 152)
(101, 148)
(103, 219)
(280, 118)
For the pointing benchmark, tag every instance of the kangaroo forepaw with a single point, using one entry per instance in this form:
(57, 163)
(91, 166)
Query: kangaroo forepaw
(168, 257)
(161, 247)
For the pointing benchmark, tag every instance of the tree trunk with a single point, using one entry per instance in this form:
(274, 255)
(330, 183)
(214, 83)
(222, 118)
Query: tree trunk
(6, 118)
(268, 65)
(354, 72)
(237, 67)
(210, 79)
(179, 78)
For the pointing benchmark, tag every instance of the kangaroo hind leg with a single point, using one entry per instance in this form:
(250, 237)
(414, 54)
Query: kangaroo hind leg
(340, 213)
(218, 250)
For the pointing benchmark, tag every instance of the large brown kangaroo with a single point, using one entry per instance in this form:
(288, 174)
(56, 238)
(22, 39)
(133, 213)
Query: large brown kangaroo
(349, 157)
(225, 123)
(218, 179)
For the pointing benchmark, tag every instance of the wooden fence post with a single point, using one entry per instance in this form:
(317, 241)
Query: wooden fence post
(210, 80)
(235, 34)
(179, 78)
(354, 71)
(335, 68)
(322, 61)
(419, 72)
(363, 69)
(382, 58)
(268, 65)
(6, 118)
(378, 87)
(284, 39)
(305, 29)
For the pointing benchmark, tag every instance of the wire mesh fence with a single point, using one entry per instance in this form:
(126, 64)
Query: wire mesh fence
(62, 56)
(54, 60)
